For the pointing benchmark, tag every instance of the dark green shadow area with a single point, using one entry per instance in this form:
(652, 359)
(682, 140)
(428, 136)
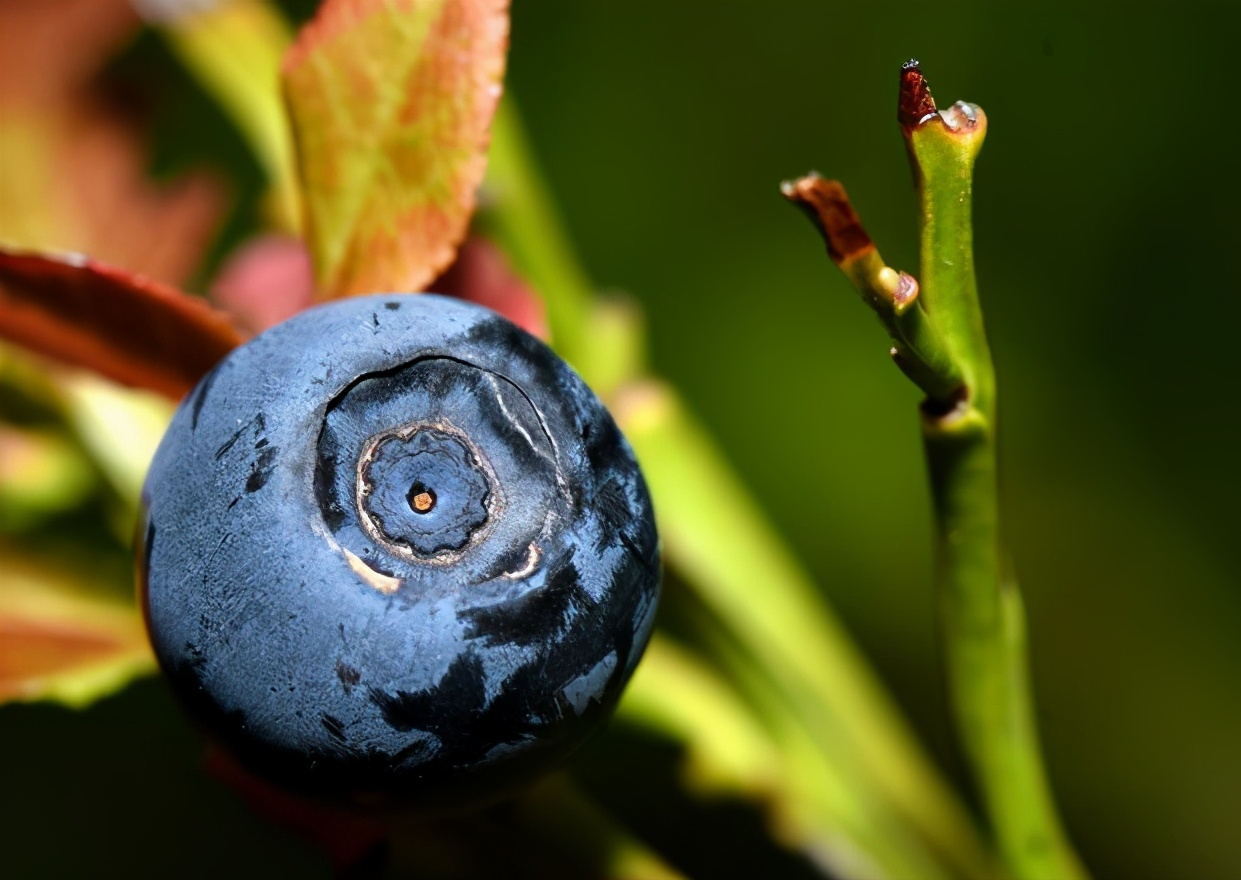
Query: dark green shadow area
(633, 774)
(120, 791)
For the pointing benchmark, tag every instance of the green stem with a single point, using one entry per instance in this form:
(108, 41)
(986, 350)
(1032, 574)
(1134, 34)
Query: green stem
(984, 629)
(940, 343)
(715, 536)
(981, 608)
(527, 227)
(920, 350)
(945, 160)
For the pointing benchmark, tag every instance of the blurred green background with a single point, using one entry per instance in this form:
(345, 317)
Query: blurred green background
(1106, 230)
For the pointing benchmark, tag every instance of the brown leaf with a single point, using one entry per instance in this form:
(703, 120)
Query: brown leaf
(391, 103)
(50, 49)
(127, 328)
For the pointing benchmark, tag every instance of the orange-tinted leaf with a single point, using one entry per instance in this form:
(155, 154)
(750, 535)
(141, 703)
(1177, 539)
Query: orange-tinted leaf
(72, 168)
(61, 639)
(125, 327)
(391, 103)
(52, 48)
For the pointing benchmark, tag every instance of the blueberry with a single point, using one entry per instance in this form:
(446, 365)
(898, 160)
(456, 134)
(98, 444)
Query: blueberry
(395, 551)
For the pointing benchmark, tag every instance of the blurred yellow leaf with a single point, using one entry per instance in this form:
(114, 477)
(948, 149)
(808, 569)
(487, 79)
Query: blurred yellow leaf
(62, 640)
(676, 693)
(233, 48)
(41, 472)
(121, 427)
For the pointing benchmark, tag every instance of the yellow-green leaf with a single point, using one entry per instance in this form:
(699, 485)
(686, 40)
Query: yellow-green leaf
(62, 639)
(391, 103)
(120, 427)
(41, 473)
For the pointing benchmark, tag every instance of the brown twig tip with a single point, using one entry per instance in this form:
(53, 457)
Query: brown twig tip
(915, 104)
(827, 205)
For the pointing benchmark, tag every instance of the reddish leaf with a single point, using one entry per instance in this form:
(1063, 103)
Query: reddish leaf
(391, 103)
(265, 281)
(345, 838)
(125, 327)
(268, 280)
(481, 274)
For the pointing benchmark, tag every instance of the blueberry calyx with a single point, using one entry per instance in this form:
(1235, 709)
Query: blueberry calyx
(423, 488)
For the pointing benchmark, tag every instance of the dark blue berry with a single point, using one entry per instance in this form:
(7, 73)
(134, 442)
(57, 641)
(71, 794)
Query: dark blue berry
(396, 551)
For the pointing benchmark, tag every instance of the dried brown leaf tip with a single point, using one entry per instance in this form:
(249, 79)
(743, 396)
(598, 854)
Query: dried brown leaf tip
(916, 107)
(827, 205)
(915, 104)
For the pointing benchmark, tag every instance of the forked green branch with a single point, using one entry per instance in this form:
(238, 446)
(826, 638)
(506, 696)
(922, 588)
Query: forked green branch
(940, 343)
(895, 814)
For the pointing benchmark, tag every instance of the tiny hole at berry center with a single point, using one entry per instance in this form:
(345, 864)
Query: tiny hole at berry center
(421, 498)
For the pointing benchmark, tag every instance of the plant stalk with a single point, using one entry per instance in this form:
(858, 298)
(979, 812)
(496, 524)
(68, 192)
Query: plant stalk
(941, 345)
(715, 536)
(981, 610)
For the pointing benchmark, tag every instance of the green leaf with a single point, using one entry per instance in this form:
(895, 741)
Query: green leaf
(391, 103)
(62, 638)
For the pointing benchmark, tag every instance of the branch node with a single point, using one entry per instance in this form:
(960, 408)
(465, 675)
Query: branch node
(942, 413)
(900, 287)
